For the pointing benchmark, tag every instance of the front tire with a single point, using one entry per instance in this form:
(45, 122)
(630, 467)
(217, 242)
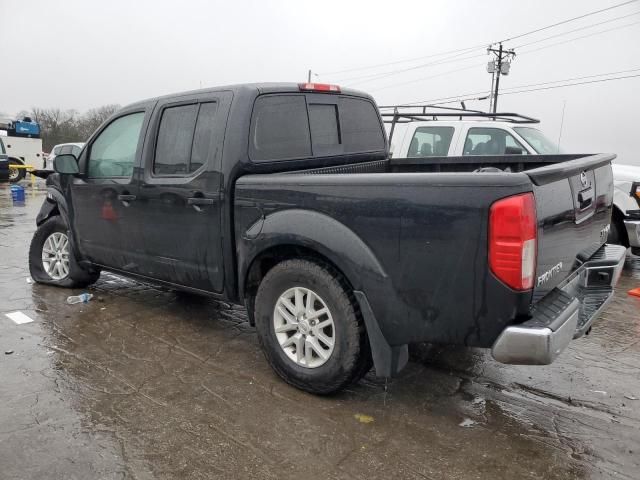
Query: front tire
(310, 328)
(51, 259)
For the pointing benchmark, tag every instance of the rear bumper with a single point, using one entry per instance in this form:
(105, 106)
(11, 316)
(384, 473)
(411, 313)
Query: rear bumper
(565, 313)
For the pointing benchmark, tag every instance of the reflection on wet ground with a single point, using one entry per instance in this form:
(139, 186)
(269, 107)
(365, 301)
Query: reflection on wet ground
(144, 382)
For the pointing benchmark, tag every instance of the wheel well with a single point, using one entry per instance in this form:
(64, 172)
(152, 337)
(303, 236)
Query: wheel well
(617, 217)
(269, 258)
(17, 160)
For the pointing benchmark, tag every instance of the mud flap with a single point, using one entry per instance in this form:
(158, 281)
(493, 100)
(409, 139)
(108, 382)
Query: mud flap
(388, 360)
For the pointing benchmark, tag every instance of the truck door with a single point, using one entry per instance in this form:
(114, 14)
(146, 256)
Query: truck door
(104, 224)
(180, 195)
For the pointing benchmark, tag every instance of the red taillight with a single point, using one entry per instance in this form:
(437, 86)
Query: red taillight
(318, 87)
(512, 240)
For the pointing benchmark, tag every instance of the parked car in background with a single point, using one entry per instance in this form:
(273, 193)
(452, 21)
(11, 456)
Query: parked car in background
(625, 220)
(282, 197)
(62, 149)
(462, 135)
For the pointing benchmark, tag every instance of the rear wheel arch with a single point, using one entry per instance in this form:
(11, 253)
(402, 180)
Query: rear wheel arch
(272, 256)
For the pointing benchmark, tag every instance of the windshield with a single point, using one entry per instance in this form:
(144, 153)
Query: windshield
(537, 140)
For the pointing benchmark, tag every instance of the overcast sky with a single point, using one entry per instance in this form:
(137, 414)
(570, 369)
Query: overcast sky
(82, 54)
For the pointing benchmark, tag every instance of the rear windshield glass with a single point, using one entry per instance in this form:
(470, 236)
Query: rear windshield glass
(280, 128)
(296, 126)
(430, 142)
(361, 130)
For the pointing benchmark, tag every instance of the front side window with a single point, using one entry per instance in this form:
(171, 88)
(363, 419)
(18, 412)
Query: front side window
(430, 142)
(113, 153)
(537, 140)
(491, 141)
(75, 150)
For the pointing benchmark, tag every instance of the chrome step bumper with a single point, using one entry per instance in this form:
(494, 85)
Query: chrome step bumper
(565, 313)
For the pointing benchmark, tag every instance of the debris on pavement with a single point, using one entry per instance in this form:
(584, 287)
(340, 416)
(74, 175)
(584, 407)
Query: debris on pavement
(82, 298)
(635, 292)
(8, 352)
(362, 418)
(19, 318)
(631, 397)
(467, 423)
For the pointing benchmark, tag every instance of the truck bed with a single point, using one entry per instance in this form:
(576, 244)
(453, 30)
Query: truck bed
(424, 222)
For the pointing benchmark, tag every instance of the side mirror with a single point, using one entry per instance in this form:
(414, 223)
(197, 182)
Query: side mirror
(513, 151)
(66, 164)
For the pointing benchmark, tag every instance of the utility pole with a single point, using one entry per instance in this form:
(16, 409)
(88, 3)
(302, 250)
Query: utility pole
(500, 66)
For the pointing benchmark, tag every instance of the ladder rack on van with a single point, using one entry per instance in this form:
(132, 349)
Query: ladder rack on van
(394, 114)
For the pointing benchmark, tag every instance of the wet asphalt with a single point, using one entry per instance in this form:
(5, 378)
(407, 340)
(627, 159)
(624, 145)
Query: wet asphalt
(144, 383)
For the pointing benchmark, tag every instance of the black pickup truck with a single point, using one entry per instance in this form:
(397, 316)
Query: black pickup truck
(283, 197)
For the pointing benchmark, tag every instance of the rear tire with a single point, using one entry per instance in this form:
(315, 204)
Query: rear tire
(340, 352)
(15, 174)
(51, 260)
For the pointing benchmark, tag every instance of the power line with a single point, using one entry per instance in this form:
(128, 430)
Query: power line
(475, 65)
(574, 78)
(376, 76)
(573, 19)
(468, 49)
(577, 30)
(408, 60)
(471, 96)
(573, 84)
(619, 27)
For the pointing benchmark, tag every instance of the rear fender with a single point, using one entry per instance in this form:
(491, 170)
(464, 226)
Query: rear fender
(317, 232)
(345, 250)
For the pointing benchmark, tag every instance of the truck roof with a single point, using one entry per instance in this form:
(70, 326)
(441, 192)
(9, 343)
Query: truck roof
(256, 88)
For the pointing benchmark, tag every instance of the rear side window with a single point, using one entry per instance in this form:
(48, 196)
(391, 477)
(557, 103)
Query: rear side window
(430, 142)
(287, 127)
(184, 139)
(175, 135)
(203, 136)
(280, 128)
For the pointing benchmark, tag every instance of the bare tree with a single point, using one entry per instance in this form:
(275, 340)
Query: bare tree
(65, 126)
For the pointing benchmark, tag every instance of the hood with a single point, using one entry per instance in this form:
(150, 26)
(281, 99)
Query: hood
(625, 173)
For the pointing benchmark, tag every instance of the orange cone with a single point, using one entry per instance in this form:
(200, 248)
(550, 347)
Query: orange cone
(635, 292)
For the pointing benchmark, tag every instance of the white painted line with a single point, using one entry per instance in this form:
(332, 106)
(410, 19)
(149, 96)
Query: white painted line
(19, 318)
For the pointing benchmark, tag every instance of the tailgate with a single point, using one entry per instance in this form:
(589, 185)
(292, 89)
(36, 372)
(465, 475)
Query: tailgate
(573, 205)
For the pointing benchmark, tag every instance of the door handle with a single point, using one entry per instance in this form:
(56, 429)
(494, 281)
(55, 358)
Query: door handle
(200, 201)
(126, 197)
